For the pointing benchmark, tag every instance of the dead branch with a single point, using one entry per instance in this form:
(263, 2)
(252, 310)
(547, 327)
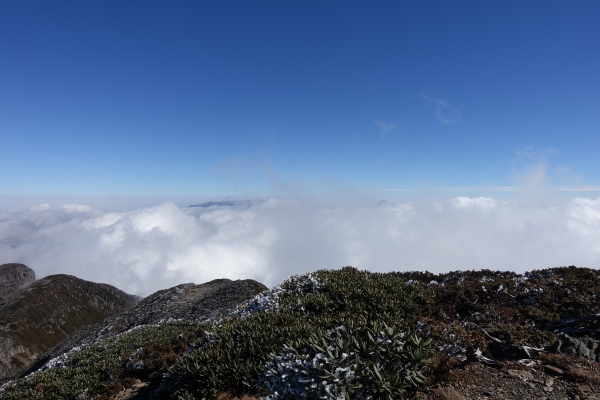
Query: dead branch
(573, 326)
(527, 350)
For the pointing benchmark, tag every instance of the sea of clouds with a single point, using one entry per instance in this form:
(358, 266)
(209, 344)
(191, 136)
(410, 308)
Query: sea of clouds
(144, 249)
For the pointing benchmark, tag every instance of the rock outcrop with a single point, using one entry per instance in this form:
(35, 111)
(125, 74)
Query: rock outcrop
(36, 318)
(14, 277)
(585, 347)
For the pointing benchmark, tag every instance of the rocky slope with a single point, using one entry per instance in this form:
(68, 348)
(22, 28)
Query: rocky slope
(551, 377)
(34, 319)
(348, 333)
(14, 277)
(189, 302)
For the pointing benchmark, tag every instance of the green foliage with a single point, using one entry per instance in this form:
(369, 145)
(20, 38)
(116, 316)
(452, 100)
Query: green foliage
(291, 337)
(374, 361)
(232, 357)
(104, 367)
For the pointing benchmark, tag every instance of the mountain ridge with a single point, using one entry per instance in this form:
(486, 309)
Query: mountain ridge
(348, 333)
(37, 317)
(186, 301)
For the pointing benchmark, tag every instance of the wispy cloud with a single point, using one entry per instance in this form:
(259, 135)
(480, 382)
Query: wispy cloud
(150, 248)
(444, 112)
(384, 128)
(536, 154)
(530, 167)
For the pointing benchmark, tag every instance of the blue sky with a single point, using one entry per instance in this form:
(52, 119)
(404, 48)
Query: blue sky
(250, 98)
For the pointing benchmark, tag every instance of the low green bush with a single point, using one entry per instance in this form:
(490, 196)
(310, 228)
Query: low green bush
(375, 361)
(233, 356)
(103, 368)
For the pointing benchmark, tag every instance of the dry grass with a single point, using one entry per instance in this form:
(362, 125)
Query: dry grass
(440, 369)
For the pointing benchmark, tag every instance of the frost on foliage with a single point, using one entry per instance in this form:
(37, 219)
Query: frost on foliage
(134, 362)
(453, 350)
(302, 376)
(269, 299)
(453, 345)
(347, 364)
(83, 395)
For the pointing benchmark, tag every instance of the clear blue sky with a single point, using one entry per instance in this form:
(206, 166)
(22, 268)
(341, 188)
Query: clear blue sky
(224, 97)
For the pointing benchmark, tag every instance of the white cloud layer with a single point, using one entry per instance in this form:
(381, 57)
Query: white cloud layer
(151, 248)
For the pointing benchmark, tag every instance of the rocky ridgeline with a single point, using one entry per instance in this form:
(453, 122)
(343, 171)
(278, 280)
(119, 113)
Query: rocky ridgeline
(14, 277)
(187, 301)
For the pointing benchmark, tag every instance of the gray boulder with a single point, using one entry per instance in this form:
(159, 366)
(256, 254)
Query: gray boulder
(14, 277)
(585, 347)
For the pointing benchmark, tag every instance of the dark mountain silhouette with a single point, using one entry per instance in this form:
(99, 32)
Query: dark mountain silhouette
(230, 203)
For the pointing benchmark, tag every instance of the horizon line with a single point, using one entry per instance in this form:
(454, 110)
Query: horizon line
(500, 189)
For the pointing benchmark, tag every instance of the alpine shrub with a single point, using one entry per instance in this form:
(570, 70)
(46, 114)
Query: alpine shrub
(373, 362)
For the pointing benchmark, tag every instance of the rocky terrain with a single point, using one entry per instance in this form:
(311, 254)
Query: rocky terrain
(187, 302)
(34, 319)
(551, 377)
(14, 277)
(345, 333)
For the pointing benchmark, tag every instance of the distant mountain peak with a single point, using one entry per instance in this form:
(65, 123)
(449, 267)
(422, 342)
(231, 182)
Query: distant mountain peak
(230, 203)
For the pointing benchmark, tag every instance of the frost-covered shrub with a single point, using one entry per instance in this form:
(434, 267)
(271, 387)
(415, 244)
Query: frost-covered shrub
(234, 360)
(269, 299)
(374, 362)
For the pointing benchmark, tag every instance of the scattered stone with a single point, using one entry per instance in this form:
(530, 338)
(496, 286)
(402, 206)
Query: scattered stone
(448, 394)
(519, 374)
(541, 384)
(553, 370)
(585, 388)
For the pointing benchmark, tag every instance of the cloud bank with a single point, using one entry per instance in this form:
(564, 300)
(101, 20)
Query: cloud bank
(150, 248)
